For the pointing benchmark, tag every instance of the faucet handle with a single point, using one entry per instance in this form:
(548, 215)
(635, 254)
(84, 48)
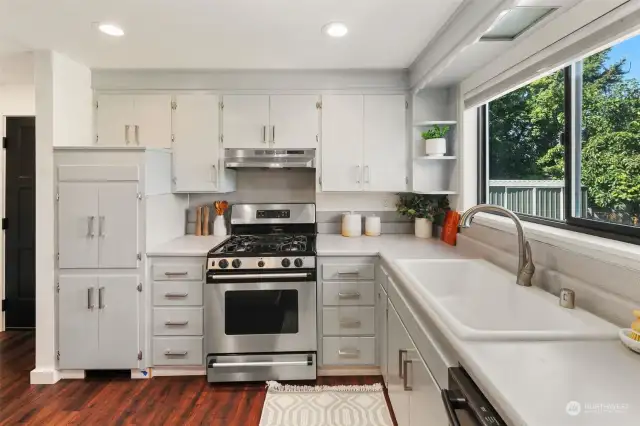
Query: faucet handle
(525, 274)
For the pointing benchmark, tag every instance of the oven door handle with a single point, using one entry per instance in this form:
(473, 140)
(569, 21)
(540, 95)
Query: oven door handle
(448, 406)
(257, 364)
(252, 276)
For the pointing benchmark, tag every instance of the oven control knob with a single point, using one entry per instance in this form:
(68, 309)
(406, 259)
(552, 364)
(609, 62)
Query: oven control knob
(261, 264)
(286, 262)
(236, 263)
(298, 262)
(224, 263)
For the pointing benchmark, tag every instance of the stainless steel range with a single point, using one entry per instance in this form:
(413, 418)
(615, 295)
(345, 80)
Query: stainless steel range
(260, 296)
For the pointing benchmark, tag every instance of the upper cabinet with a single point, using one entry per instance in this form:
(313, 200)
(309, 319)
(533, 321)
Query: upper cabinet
(133, 120)
(197, 159)
(364, 143)
(279, 121)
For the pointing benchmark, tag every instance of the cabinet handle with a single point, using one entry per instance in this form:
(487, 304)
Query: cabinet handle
(367, 174)
(358, 174)
(101, 292)
(350, 323)
(172, 353)
(126, 134)
(354, 295)
(273, 134)
(264, 134)
(176, 295)
(349, 353)
(176, 274)
(401, 354)
(176, 322)
(348, 273)
(101, 227)
(90, 298)
(405, 384)
(214, 173)
(90, 231)
(136, 130)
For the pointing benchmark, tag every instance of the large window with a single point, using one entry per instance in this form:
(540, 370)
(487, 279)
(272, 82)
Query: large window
(566, 147)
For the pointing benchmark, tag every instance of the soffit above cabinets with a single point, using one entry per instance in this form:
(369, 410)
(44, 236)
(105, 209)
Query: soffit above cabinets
(224, 34)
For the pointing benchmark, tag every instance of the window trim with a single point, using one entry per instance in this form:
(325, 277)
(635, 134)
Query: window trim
(606, 230)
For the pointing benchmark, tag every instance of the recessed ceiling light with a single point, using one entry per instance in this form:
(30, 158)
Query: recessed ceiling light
(111, 29)
(335, 29)
(513, 22)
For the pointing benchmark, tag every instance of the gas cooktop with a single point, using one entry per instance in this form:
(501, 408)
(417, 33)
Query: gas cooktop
(266, 245)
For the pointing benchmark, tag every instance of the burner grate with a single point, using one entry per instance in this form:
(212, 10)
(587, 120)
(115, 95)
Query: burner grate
(265, 244)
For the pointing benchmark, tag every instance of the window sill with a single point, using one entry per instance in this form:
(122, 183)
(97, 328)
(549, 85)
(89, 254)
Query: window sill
(616, 252)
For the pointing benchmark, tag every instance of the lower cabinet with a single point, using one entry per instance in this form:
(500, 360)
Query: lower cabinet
(98, 321)
(382, 303)
(399, 344)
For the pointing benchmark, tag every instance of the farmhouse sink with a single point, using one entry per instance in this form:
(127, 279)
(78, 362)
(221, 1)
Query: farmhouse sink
(479, 301)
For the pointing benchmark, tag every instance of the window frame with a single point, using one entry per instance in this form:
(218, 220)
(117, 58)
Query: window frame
(611, 231)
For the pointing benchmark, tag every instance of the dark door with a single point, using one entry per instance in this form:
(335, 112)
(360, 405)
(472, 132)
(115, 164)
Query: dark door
(20, 283)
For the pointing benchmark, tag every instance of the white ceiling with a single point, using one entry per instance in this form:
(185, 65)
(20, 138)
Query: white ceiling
(226, 34)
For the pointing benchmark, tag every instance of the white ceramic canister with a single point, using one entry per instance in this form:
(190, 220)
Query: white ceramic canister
(372, 226)
(351, 225)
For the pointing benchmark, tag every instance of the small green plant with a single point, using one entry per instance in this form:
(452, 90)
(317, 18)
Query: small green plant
(436, 132)
(417, 206)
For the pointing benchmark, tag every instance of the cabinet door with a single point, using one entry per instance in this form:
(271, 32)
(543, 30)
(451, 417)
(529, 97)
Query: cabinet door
(78, 322)
(385, 146)
(119, 321)
(381, 330)
(78, 225)
(196, 166)
(245, 121)
(114, 120)
(399, 345)
(152, 126)
(118, 225)
(342, 142)
(294, 121)
(426, 402)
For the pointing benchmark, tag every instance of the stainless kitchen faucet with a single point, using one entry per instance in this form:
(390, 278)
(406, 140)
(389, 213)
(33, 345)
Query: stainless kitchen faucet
(526, 268)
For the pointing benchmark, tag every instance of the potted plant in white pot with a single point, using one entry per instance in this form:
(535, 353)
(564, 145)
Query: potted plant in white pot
(423, 209)
(435, 144)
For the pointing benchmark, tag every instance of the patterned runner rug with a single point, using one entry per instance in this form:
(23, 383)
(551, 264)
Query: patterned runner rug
(288, 405)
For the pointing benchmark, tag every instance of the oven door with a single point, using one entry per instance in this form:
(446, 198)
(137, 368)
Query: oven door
(260, 314)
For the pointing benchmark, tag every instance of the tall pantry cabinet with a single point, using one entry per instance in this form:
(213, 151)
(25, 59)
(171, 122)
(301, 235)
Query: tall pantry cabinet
(105, 198)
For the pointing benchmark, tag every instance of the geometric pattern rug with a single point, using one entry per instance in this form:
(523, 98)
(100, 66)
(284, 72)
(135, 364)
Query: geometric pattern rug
(288, 405)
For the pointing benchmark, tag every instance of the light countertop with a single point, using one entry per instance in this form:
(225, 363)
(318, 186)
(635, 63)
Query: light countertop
(390, 246)
(187, 245)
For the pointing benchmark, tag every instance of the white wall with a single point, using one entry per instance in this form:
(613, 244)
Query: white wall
(61, 88)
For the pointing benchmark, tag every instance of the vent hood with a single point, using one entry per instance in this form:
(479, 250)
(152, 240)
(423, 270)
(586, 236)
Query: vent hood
(270, 158)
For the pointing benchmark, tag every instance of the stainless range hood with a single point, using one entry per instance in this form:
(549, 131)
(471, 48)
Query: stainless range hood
(269, 158)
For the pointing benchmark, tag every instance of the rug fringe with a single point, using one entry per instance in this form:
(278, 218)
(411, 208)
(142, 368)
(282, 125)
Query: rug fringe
(274, 386)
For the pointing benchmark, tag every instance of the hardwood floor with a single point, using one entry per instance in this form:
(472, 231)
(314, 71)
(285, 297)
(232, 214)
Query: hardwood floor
(106, 401)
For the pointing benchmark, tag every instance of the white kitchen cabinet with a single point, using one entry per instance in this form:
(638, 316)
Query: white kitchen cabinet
(133, 120)
(342, 142)
(382, 308)
(197, 159)
(364, 144)
(98, 325)
(399, 344)
(294, 121)
(426, 403)
(245, 121)
(98, 225)
(385, 143)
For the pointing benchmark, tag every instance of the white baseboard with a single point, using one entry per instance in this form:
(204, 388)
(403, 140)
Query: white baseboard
(44, 376)
(177, 371)
(72, 374)
(340, 370)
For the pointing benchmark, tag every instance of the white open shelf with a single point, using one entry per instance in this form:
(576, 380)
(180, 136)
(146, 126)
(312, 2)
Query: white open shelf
(432, 157)
(436, 192)
(434, 123)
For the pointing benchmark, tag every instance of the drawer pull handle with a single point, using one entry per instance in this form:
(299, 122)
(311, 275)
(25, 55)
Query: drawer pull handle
(401, 354)
(176, 294)
(173, 353)
(176, 322)
(354, 295)
(349, 353)
(349, 273)
(405, 380)
(350, 323)
(176, 274)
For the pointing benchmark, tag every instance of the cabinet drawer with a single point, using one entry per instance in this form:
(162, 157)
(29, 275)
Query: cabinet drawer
(349, 293)
(177, 321)
(177, 351)
(347, 271)
(348, 350)
(348, 321)
(177, 293)
(177, 272)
